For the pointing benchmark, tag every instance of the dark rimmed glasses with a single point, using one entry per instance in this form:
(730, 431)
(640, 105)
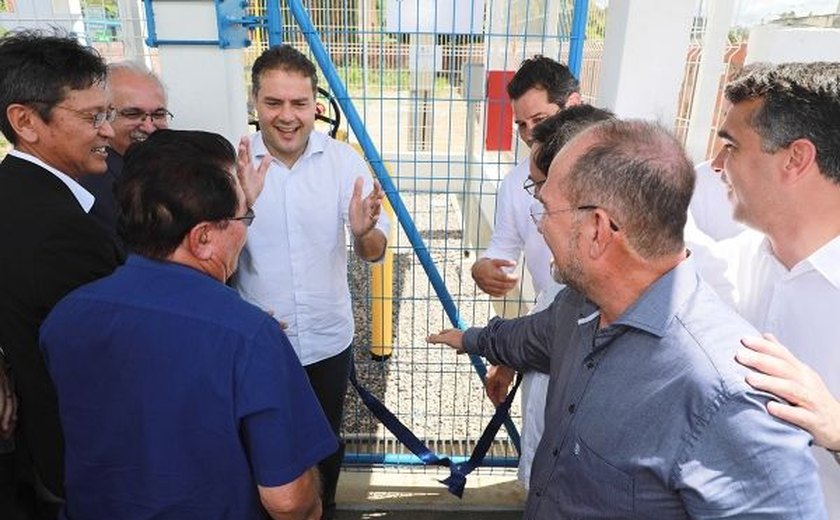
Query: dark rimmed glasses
(161, 116)
(530, 185)
(97, 119)
(247, 218)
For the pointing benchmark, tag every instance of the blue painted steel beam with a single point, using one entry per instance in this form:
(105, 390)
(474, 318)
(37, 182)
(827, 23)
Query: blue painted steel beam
(310, 33)
(274, 22)
(578, 36)
(231, 25)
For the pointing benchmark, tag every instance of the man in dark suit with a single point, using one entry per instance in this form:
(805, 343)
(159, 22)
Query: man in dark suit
(56, 114)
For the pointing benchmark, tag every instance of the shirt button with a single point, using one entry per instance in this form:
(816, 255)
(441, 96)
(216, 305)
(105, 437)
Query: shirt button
(556, 452)
(590, 365)
(571, 408)
(577, 449)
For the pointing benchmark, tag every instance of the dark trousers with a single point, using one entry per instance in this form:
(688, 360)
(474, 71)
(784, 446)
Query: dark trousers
(19, 495)
(329, 378)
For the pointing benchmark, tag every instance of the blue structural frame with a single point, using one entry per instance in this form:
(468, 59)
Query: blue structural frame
(233, 26)
(231, 23)
(578, 36)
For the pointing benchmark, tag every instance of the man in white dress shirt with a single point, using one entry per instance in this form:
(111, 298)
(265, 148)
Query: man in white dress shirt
(781, 167)
(294, 263)
(540, 88)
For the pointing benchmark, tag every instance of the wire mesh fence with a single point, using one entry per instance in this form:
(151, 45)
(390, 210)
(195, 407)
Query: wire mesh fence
(419, 87)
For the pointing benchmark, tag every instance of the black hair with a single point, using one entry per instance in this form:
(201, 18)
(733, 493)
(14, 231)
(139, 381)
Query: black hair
(544, 74)
(800, 101)
(554, 132)
(283, 57)
(172, 181)
(39, 69)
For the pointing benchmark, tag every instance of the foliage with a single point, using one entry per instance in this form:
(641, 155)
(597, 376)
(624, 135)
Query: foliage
(738, 34)
(596, 23)
(110, 7)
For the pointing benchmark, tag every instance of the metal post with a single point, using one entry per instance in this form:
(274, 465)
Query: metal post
(310, 33)
(578, 36)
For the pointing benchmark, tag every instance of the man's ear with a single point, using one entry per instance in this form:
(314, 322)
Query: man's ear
(23, 121)
(573, 99)
(200, 240)
(602, 233)
(800, 158)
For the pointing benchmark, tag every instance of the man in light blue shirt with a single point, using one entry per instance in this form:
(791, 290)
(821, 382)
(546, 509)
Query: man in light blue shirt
(648, 414)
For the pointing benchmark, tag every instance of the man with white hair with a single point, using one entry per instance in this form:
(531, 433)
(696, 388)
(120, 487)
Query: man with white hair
(140, 101)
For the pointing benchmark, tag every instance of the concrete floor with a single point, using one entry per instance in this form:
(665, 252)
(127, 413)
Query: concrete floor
(387, 495)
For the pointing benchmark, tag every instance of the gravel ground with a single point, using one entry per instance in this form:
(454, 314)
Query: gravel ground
(436, 393)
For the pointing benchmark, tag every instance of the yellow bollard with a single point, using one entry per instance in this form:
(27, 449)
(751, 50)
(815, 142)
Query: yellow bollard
(381, 286)
(382, 298)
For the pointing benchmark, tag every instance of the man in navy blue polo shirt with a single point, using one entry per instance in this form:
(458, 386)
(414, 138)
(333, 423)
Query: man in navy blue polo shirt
(178, 399)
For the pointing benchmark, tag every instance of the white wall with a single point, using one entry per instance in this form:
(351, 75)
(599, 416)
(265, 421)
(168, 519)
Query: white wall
(779, 44)
(206, 85)
(644, 57)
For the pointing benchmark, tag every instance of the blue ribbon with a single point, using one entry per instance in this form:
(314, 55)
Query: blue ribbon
(457, 479)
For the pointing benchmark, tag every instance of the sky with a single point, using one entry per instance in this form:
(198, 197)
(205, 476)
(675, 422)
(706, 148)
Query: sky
(752, 12)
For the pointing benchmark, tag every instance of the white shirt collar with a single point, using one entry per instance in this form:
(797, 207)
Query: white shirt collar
(823, 260)
(84, 197)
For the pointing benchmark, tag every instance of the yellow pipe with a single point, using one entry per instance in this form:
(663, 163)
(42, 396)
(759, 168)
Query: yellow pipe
(382, 298)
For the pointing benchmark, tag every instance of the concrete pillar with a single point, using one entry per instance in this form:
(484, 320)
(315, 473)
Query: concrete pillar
(779, 44)
(206, 84)
(132, 30)
(644, 57)
(718, 22)
(542, 27)
(499, 23)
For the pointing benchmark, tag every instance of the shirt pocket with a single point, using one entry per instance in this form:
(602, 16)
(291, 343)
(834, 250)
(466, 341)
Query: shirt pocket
(595, 488)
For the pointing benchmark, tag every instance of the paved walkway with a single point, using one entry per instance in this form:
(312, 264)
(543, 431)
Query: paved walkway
(384, 494)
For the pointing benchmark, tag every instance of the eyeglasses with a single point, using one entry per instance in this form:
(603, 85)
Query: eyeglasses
(530, 185)
(136, 115)
(247, 218)
(538, 212)
(97, 119)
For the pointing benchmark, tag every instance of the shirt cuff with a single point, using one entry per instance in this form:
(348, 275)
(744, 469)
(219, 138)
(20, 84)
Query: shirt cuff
(469, 341)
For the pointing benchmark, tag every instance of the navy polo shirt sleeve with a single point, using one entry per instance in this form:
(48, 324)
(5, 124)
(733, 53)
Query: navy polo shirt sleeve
(283, 427)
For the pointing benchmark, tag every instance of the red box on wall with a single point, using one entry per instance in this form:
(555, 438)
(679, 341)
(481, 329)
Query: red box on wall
(498, 133)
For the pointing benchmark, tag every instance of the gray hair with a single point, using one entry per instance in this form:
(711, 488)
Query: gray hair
(137, 68)
(639, 173)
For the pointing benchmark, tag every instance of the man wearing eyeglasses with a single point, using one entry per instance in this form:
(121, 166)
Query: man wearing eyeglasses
(54, 110)
(178, 399)
(139, 98)
(540, 88)
(648, 414)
